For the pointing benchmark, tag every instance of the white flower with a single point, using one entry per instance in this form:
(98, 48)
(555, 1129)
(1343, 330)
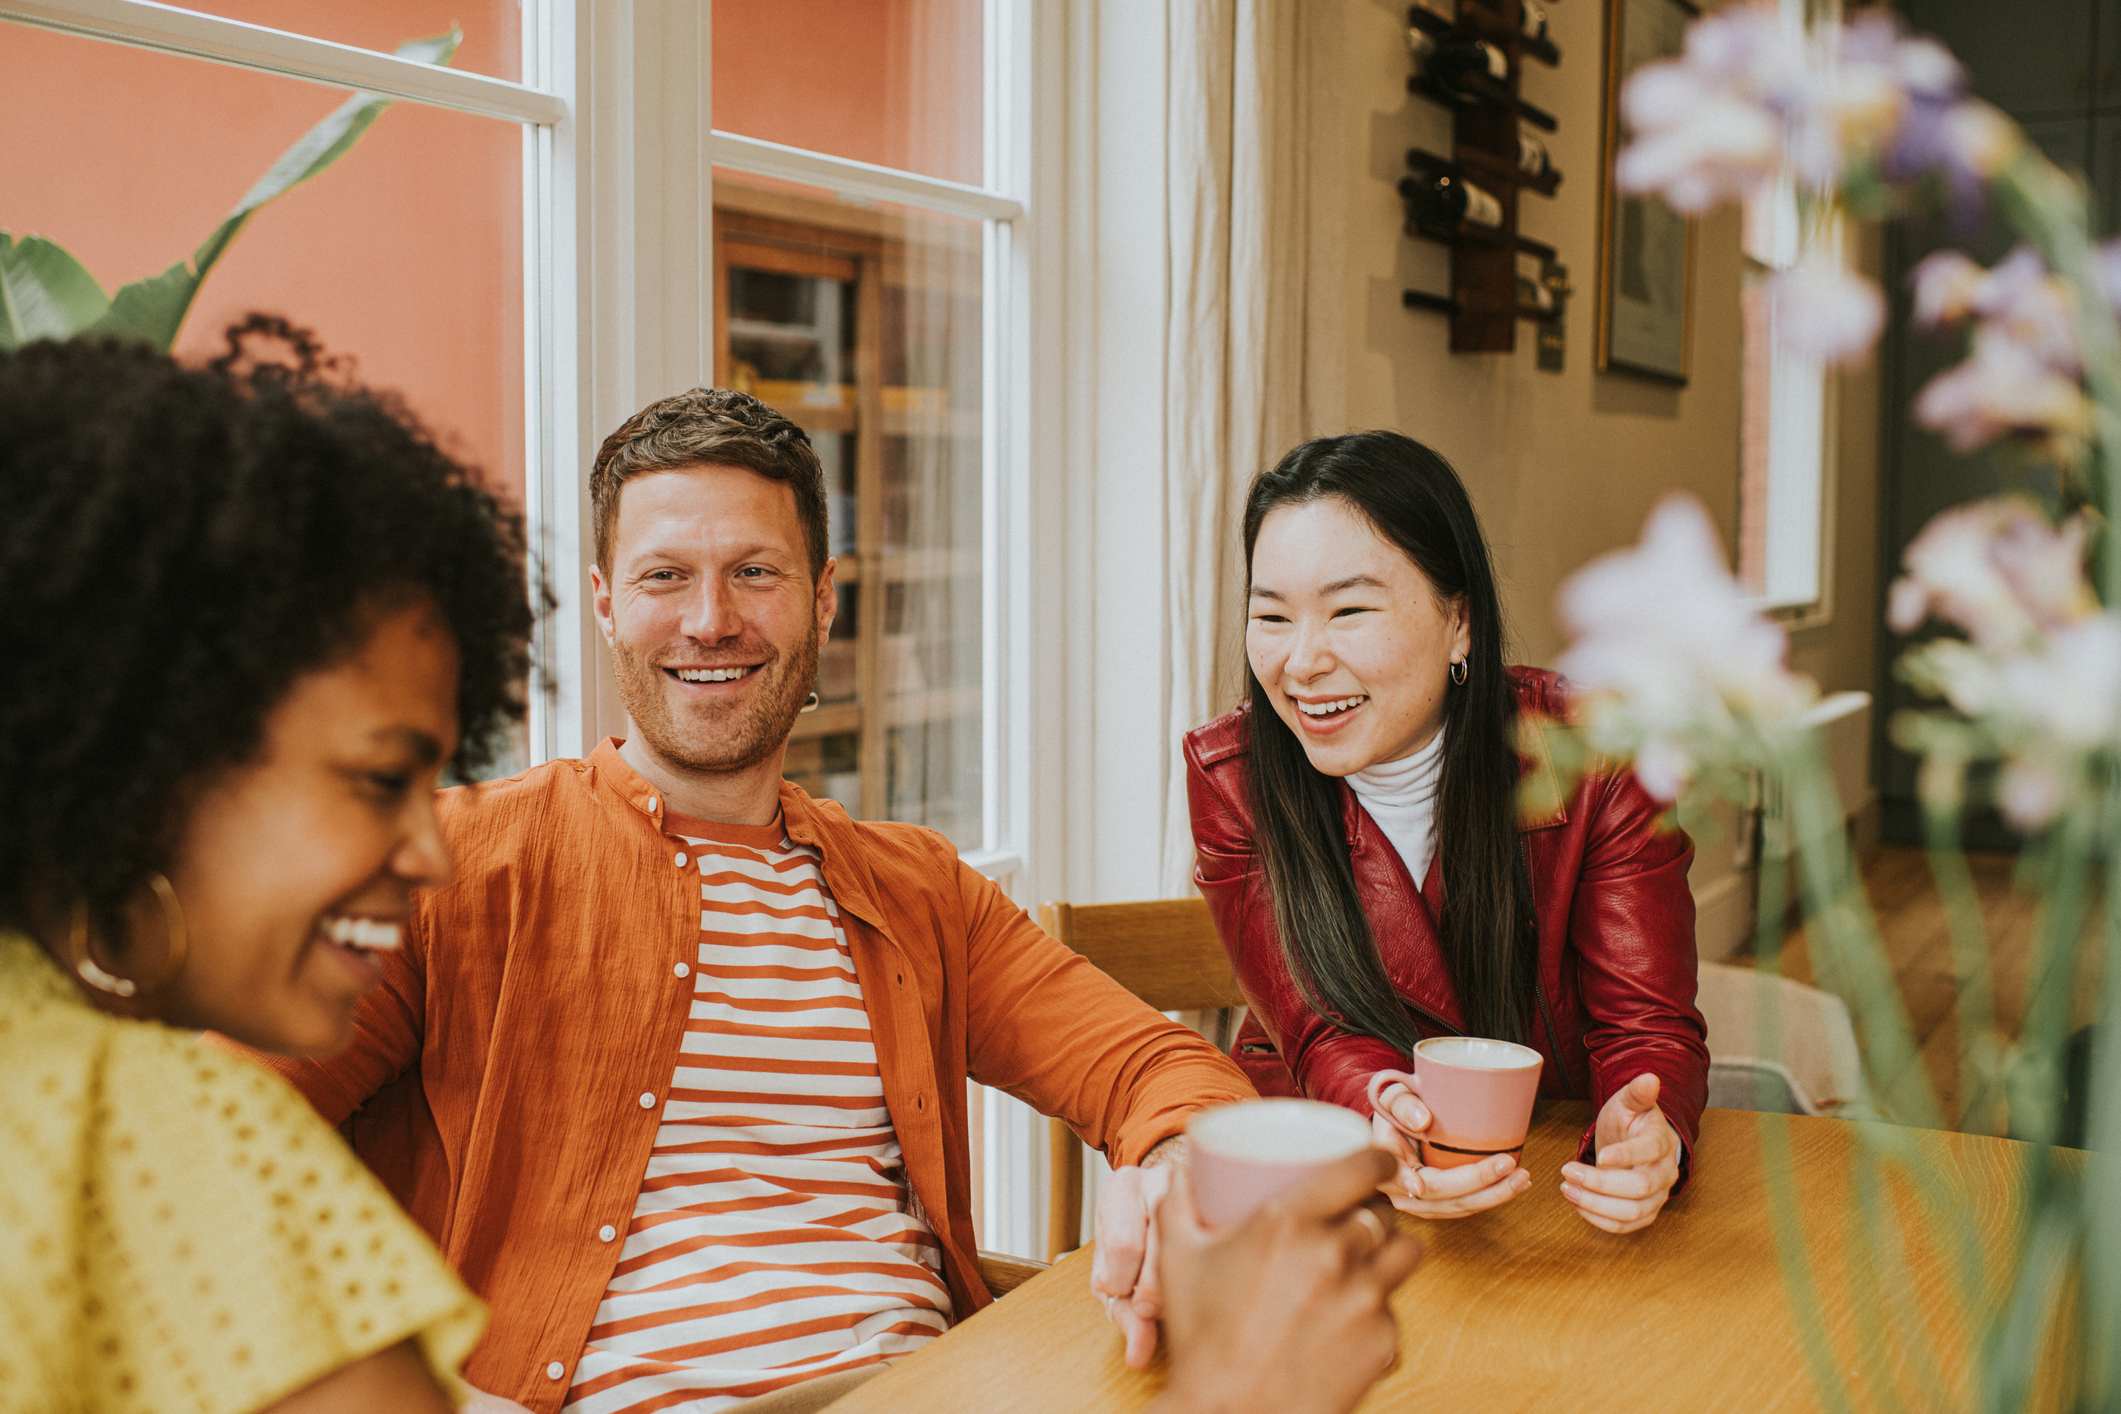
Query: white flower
(1977, 139)
(2067, 695)
(1825, 312)
(1946, 284)
(1672, 662)
(1996, 569)
(2030, 792)
(2004, 387)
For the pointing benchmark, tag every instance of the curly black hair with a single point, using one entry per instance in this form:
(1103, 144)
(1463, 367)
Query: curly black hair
(178, 545)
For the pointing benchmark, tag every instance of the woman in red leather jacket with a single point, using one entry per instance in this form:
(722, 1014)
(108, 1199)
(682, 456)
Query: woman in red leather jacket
(1360, 843)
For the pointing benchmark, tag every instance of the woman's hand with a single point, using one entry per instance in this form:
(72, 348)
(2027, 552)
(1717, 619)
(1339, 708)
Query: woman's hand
(1397, 1119)
(1124, 1272)
(1289, 1310)
(1638, 1162)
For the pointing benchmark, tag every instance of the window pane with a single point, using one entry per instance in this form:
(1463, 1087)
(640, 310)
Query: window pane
(405, 256)
(861, 322)
(894, 82)
(493, 43)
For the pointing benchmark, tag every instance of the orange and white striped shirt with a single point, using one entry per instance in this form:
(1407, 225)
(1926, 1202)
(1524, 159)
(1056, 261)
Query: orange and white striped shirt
(774, 1239)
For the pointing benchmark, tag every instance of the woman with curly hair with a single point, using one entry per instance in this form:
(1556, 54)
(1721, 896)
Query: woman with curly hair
(250, 613)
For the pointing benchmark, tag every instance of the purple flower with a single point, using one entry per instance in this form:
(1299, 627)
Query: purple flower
(1750, 95)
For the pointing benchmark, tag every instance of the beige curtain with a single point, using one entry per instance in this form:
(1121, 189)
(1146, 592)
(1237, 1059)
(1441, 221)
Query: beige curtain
(1236, 204)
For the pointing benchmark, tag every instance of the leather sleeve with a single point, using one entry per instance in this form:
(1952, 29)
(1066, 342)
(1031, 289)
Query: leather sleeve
(1632, 930)
(1328, 1062)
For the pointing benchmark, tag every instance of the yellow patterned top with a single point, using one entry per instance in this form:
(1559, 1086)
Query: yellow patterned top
(178, 1229)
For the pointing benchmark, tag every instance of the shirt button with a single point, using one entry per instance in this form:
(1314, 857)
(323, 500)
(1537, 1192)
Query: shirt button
(682, 970)
(647, 1100)
(606, 1233)
(555, 1370)
(651, 811)
(679, 860)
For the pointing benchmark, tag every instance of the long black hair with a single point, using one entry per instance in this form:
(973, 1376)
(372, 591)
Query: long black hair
(1415, 501)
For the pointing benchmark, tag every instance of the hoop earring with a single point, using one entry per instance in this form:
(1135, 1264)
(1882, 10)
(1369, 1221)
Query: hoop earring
(1458, 672)
(810, 703)
(176, 938)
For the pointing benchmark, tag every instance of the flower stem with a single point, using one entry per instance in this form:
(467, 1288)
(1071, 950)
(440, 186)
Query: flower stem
(1974, 1001)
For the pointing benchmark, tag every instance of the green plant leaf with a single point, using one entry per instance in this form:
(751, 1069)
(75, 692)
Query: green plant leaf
(152, 309)
(44, 292)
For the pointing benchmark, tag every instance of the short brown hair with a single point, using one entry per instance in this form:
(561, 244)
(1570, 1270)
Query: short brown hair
(709, 427)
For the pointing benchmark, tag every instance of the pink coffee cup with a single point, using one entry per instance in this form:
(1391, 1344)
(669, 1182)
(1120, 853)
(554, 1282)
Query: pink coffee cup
(1479, 1095)
(1243, 1155)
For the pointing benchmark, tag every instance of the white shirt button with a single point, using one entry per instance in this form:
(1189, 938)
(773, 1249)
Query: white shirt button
(555, 1370)
(651, 805)
(606, 1233)
(682, 970)
(680, 861)
(647, 1100)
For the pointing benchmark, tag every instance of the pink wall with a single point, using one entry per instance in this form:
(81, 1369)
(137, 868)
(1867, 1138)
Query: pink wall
(407, 254)
(895, 82)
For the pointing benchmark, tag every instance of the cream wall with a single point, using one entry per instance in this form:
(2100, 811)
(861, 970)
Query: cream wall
(1561, 466)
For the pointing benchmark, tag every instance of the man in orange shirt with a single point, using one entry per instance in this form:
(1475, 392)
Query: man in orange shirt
(674, 1068)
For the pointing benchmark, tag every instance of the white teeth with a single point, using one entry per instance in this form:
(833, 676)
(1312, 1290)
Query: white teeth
(711, 674)
(1327, 709)
(369, 934)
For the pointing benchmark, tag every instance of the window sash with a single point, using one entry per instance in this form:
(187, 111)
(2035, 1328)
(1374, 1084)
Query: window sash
(216, 39)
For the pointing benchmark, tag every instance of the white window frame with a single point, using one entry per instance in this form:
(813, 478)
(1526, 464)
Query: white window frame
(1803, 405)
(618, 245)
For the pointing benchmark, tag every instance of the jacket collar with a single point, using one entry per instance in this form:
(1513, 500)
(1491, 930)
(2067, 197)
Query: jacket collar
(822, 825)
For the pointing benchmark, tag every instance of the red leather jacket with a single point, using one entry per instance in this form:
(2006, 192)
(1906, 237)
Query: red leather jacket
(1616, 936)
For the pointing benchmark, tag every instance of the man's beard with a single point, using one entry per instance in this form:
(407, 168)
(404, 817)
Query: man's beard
(735, 738)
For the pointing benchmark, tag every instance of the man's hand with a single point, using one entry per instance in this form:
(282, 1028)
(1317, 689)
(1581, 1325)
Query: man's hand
(1638, 1162)
(484, 1403)
(1124, 1271)
(1289, 1310)
(1397, 1119)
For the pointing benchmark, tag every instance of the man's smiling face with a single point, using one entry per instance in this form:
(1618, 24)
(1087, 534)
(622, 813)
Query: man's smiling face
(712, 615)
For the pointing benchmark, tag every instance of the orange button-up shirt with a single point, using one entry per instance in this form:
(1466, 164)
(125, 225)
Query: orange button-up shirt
(507, 1077)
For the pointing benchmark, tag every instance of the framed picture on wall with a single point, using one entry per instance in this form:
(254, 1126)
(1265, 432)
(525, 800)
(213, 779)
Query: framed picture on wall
(1645, 249)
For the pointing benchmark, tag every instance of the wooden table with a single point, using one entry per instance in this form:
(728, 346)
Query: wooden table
(1530, 1307)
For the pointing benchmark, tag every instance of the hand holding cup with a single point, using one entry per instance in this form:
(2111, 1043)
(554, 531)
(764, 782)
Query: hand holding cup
(1467, 1161)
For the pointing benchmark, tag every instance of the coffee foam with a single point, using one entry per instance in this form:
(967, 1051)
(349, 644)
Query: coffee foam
(1478, 1053)
(1280, 1131)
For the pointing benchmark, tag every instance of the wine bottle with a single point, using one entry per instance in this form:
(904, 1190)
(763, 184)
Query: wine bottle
(1534, 297)
(1532, 157)
(1460, 70)
(1444, 204)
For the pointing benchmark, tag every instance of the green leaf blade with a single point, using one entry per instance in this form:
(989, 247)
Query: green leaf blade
(44, 292)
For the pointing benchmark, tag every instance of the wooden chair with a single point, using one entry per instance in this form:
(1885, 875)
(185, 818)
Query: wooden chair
(1004, 1274)
(1164, 951)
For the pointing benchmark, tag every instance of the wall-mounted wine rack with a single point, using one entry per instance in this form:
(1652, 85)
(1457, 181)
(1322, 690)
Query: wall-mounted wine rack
(1473, 199)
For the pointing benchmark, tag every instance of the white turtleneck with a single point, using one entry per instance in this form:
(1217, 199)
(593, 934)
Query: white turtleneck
(1401, 797)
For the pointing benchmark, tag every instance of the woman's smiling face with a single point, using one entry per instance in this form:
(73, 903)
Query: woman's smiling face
(296, 869)
(1349, 638)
